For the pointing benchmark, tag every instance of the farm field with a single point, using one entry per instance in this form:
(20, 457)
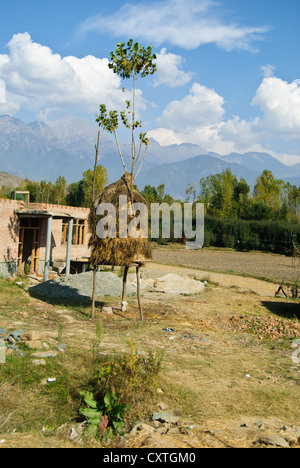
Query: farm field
(227, 370)
(257, 264)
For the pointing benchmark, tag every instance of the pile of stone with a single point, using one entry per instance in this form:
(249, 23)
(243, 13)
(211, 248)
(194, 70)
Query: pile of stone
(81, 286)
(11, 341)
(170, 284)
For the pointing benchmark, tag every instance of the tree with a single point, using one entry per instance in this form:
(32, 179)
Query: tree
(75, 195)
(59, 191)
(101, 180)
(156, 195)
(269, 190)
(218, 192)
(131, 62)
(292, 198)
(190, 191)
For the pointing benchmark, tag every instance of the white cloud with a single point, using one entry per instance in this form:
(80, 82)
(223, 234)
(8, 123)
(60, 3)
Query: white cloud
(187, 24)
(165, 137)
(202, 106)
(280, 103)
(199, 119)
(2, 92)
(50, 85)
(168, 70)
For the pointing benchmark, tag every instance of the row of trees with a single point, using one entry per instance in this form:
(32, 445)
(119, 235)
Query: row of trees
(60, 193)
(224, 196)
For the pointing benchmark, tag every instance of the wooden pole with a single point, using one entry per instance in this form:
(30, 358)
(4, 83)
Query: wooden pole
(93, 199)
(138, 291)
(123, 306)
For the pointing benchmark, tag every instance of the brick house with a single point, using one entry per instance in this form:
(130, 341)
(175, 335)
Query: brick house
(35, 236)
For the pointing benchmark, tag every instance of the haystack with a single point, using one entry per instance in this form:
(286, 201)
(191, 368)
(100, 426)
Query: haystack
(116, 251)
(119, 251)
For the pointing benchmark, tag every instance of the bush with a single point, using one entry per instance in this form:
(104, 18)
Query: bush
(269, 236)
(121, 387)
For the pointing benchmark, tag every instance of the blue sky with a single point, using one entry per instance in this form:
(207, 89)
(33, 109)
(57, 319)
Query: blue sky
(228, 70)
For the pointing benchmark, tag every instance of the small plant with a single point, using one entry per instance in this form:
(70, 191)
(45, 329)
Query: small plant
(130, 372)
(107, 415)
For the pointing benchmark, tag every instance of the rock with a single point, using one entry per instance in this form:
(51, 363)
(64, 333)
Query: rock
(155, 424)
(61, 347)
(2, 331)
(45, 354)
(17, 335)
(107, 310)
(35, 344)
(33, 336)
(290, 434)
(146, 428)
(273, 439)
(178, 284)
(2, 352)
(165, 418)
(76, 432)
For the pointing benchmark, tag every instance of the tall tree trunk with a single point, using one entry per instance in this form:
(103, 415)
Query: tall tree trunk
(93, 199)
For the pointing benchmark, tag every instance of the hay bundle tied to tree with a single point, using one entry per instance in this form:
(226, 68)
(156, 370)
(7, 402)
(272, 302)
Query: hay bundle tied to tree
(115, 250)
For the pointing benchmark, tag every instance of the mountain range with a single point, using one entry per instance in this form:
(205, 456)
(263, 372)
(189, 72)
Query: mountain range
(39, 151)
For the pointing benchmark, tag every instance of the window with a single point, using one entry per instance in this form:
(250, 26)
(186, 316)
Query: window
(78, 234)
(79, 227)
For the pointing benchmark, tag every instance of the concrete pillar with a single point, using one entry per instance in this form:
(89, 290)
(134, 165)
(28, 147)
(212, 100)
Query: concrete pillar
(69, 244)
(48, 248)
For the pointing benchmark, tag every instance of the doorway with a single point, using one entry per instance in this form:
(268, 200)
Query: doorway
(29, 243)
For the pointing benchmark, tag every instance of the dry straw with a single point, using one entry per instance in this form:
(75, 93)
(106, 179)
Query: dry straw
(117, 251)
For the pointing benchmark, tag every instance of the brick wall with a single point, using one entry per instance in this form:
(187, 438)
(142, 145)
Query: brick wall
(9, 235)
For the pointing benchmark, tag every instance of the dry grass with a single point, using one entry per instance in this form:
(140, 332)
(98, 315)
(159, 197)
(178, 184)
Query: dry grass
(222, 364)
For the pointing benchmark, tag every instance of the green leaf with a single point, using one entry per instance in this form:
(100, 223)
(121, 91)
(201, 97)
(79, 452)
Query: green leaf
(89, 399)
(90, 413)
(119, 426)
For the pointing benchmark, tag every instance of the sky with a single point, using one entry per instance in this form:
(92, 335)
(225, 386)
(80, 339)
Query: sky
(228, 71)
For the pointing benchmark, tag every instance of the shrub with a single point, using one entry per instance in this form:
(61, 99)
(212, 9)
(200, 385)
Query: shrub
(120, 387)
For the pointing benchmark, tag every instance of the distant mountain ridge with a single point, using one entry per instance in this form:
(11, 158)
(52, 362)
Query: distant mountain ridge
(38, 151)
(9, 180)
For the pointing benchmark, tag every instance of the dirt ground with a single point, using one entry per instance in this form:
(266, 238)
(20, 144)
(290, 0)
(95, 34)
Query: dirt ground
(260, 265)
(227, 373)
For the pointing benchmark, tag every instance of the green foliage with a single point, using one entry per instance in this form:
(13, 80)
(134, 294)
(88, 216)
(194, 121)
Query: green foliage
(120, 385)
(156, 194)
(130, 371)
(104, 415)
(226, 197)
(100, 182)
(131, 61)
(265, 235)
(76, 194)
